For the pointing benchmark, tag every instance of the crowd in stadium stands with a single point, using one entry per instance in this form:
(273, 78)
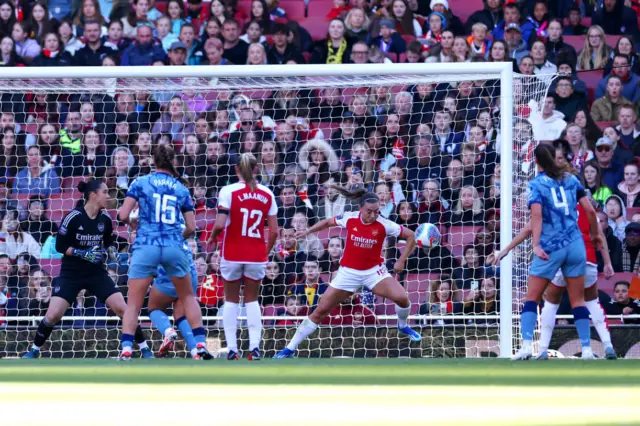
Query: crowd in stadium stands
(430, 152)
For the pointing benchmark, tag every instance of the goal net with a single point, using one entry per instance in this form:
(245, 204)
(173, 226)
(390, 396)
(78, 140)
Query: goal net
(448, 144)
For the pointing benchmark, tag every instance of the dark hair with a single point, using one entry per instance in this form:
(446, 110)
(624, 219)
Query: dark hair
(280, 28)
(546, 158)
(163, 159)
(563, 145)
(594, 164)
(180, 4)
(87, 187)
(559, 21)
(564, 77)
(360, 194)
(415, 47)
(38, 199)
(624, 283)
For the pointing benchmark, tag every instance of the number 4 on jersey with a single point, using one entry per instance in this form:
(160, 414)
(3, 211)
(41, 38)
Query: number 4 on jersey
(562, 203)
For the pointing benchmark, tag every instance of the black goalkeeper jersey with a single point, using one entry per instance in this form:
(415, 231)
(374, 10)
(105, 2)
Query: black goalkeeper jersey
(79, 231)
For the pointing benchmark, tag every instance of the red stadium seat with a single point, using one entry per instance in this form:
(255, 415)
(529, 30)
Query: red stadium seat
(63, 205)
(591, 79)
(294, 9)
(631, 211)
(71, 183)
(464, 9)
(205, 217)
(604, 124)
(606, 285)
(577, 42)
(327, 234)
(418, 286)
(317, 27)
(318, 10)
(612, 40)
(51, 266)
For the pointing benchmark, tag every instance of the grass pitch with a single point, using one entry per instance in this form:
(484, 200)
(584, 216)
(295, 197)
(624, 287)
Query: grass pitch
(313, 392)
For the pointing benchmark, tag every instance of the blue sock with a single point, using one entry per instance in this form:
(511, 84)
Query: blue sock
(160, 320)
(581, 317)
(187, 333)
(126, 340)
(199, 335)
(528, 319)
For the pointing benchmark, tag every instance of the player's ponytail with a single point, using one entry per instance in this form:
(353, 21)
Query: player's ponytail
(545, 155)
(246, 166)
(360, 194)
(163, 159)
(87, 187)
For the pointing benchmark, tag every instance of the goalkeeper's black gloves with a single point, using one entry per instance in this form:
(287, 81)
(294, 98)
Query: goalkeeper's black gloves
(94, 255)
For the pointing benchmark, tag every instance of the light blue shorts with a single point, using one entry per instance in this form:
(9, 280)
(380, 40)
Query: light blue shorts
(572, 260)
(146, 259)
(165, 286)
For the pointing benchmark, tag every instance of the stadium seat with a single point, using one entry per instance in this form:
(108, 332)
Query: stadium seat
(604, 124)
(591, 79)
(205, 217)
(461, 235)
(71, 183)
(577, 42)
(63, 205)
(464, 9)
(612, 40)
(294, 9)
(318, 10)
(606, 285)
(327, 234)
(631, 211)
(51, 266)
(418, 285)
(317, 27)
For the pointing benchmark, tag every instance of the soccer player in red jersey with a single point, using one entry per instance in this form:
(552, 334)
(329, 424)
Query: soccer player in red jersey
(361, 265)
(243, 208)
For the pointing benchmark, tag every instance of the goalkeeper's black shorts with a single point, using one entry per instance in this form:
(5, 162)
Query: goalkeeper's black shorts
(100, 285)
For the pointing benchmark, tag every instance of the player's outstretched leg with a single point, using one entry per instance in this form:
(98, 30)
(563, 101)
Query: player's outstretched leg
(57, 307)
(391, 289)
(185, 330)
(330, 299)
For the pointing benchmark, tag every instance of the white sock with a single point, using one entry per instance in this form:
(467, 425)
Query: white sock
(143, 345)
(37, 348)
(194, 352)
(548, 321)
(230, 322)
(526, 345)
(599, 321)
(254, 322)
(305, 329)
(403, 314)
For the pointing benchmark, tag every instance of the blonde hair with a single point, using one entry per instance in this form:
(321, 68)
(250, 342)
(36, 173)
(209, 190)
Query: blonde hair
(246, 165)
(365, 24)
(479, 26)
(587, 54)
(477, 202)
(359, 97)
(367, 163)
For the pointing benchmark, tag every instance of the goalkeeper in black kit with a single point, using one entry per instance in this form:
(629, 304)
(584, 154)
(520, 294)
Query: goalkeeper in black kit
(84, 238)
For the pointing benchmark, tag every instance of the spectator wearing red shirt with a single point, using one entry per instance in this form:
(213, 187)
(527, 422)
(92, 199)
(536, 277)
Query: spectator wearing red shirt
(210, 291)
(339, 10)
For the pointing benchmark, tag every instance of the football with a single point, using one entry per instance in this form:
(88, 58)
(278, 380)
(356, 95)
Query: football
(427, 235)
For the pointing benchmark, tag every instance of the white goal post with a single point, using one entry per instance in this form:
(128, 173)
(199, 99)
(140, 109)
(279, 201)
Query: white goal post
(514, 91)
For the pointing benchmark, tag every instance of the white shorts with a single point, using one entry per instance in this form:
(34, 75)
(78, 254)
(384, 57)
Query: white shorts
(590, 277)
(353, 280)
(233, 271)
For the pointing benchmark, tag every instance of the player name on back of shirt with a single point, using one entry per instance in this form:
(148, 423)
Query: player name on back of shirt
(253, 196)
(171, 183)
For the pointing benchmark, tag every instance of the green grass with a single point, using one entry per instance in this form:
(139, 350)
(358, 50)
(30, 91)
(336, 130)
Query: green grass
(397, 372)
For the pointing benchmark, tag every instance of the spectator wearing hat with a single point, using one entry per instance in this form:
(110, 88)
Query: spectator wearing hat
(454, 24)
(490, 15)
(616, 18)
(512, 16)
(235, 49)
(281, 51)
(518, 48)
(95, 49)
(568, 102)
(612, 170)
(177, 53)
(630, 82)
(144, 50)
(214, 50)
(608, 106)
(389, 40)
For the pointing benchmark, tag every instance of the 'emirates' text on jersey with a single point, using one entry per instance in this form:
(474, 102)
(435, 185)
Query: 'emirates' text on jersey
(162, 199)
(244, 239)
(79, 231)
(363, 247)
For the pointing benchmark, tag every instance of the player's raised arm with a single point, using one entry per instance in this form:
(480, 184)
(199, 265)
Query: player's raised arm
(522, 235)
(127, 207)
(319, 226)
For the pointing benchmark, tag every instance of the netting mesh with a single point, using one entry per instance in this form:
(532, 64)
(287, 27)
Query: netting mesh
(428, 145)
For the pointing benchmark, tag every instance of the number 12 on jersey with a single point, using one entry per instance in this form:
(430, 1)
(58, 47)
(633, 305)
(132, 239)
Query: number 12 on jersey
(562, 203)
(256, 217)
